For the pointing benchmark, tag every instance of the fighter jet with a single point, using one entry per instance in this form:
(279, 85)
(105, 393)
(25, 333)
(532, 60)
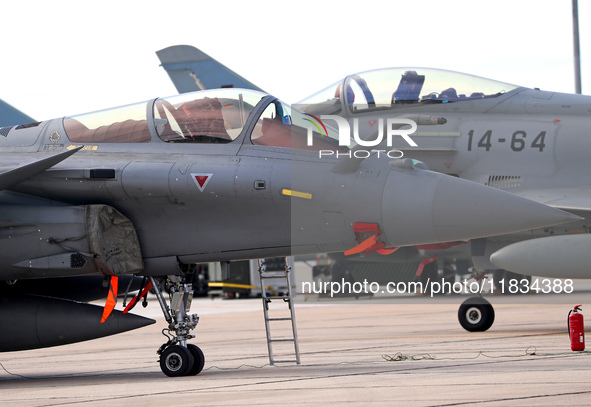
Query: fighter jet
(521, 140)
(156, 187)
(525, 141)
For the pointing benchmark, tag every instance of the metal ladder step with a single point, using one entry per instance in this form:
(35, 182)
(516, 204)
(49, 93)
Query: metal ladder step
(265, 274)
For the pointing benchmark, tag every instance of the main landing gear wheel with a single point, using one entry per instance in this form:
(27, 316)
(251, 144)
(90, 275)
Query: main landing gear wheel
(177, 361)
(199, 359)
(177, 358)
(476, 314)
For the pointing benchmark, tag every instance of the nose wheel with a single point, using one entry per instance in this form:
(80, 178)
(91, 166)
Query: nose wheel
(177, 358)
(176, 361)
(476, 314)
(198, 358)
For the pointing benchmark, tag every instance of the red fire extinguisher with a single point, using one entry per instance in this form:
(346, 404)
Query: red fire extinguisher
(576, 330)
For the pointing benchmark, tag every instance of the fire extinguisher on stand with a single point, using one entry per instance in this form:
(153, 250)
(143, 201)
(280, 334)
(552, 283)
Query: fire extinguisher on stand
(576, 330)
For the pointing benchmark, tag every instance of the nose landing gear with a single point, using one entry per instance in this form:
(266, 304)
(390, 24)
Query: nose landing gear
(476, 314)
(177, 358)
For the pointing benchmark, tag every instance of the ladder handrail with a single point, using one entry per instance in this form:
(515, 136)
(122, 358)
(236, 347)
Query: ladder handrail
(277, 274)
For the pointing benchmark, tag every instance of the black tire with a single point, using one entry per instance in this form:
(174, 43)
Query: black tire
(176, 361)
(476, 314)
(199, 359)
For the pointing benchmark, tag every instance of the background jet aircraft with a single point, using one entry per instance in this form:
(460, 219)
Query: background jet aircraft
(156, 187)
(191, 69)
(525, 141)
(10, 116)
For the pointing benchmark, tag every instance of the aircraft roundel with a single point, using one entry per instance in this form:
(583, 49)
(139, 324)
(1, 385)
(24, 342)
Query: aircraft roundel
(201, 180)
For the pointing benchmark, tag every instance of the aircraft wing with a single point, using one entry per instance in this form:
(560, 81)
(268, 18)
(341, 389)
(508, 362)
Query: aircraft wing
(568, 199)
(16, 175)
(190, 69)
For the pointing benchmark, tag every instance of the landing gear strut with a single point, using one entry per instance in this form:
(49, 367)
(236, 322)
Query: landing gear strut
(177, 358)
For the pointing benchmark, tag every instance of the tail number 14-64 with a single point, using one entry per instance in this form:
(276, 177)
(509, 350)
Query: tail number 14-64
(518, 141)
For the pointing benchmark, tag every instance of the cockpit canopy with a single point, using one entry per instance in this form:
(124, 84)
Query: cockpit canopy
(213, 116)
(216, 116)
(125, 124)
(400, 87)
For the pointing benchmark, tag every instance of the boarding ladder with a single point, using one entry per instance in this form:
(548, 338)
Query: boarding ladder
(279, 276)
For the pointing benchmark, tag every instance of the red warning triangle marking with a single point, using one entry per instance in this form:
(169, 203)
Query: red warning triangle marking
(201, 180)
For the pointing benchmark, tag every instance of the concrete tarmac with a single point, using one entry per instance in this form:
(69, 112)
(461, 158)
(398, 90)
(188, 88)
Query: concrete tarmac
(360, 352)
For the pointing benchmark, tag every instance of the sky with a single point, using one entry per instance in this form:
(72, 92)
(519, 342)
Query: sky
(68, 57)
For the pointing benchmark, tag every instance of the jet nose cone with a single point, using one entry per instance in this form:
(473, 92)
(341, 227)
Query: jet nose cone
(446, 209)
(461, 207)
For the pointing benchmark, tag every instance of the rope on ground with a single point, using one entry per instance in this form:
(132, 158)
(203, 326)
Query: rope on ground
(529, 351)
(14, 374)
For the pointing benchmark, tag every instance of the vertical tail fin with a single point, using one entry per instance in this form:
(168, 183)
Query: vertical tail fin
(10, 116)
(191, 69)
